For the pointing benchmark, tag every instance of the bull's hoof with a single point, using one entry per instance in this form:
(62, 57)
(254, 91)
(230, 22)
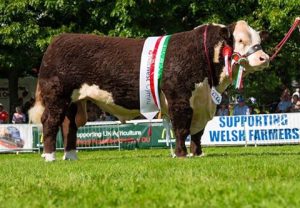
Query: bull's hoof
(173, 155)
(180, 153)
(49, 157)
(70, 155)
(196, 155)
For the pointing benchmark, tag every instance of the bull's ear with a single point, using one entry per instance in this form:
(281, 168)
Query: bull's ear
(264, 35)
(225, 33)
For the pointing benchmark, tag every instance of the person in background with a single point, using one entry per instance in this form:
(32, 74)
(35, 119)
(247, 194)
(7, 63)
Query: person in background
(27, 106)
(251, 110)
(106, 117)
(285, 103)
(241, 108)
(19, 116)
(295, 103)
(3, 115)
(223, 110)
(262, 110)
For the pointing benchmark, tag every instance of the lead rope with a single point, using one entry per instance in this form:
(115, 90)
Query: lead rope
(207, 56)
(286, 37)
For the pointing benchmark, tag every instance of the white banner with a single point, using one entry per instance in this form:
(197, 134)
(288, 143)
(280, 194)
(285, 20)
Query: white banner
(15, 137)
(253, 129)
(151, 69)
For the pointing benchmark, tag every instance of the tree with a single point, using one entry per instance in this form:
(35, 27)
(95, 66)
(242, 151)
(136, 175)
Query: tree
(27, 27)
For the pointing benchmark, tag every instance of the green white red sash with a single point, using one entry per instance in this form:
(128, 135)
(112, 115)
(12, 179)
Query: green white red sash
(151, 69)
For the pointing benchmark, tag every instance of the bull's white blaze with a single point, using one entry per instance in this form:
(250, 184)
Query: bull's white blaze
(104, 100)
(244, 38)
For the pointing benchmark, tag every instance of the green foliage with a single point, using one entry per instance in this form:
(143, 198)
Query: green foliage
(225, 177)
(28, 26)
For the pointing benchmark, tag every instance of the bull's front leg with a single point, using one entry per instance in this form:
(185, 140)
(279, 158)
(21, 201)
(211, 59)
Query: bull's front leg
(195, 147)
(181, 116)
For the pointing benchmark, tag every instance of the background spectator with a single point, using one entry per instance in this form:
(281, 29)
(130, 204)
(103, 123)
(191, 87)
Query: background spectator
(93, 111)
(262, 110)
(3, 115)
(27, 106)
(19, 116)
(223, 110)
(285, 103)
(295, 103)
(106, 117)
(241, 108)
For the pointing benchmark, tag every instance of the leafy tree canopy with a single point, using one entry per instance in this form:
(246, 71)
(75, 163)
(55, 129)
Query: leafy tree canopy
(27, 27)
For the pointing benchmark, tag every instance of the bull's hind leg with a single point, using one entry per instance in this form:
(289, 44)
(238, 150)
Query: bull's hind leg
(75, 117)
(69, 131)
(195, 147)
(181, 116)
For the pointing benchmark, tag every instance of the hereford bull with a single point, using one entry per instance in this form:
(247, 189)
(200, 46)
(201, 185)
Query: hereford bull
(105, 70)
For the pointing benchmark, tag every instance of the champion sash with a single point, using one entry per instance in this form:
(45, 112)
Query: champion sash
(151, 69)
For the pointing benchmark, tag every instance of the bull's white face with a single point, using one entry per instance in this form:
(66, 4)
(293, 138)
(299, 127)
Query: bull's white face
(244, 38)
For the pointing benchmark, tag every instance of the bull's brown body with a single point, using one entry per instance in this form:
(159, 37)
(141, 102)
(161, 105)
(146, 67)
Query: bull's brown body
(113, 64)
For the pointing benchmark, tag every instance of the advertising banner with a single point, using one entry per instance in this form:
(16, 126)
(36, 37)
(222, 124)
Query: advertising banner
(253, 129)
(129, 135)
(220, 131)
(133, 134)
(15, 137)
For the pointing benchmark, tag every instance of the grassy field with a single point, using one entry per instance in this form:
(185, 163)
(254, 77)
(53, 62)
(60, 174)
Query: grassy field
(225, 177)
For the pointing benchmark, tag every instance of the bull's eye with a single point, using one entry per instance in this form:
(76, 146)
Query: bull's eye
(240, 41)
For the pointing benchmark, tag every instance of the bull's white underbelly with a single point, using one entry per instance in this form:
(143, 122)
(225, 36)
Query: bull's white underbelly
(203, 107)
(104, 100)
(201, 103)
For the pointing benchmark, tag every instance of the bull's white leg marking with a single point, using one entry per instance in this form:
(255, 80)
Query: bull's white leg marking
(70, 155)
(104, 100)
(49, 157)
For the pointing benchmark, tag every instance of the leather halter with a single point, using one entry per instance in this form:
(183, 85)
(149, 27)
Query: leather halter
(239, 59)
(253, 49)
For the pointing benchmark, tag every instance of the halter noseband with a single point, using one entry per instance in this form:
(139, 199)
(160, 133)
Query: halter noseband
(253, 49)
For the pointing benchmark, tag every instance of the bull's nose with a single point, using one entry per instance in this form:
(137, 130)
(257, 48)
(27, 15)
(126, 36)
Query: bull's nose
(264, 58)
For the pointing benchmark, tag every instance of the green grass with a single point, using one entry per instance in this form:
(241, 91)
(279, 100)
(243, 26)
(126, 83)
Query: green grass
(225, 177)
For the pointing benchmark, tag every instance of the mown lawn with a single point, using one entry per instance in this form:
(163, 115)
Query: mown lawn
(225, 177)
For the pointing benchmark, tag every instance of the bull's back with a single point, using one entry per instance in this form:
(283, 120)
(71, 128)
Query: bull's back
(112, 64)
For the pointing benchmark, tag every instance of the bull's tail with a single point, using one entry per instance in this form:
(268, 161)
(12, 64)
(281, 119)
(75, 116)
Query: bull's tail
(35, 113)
